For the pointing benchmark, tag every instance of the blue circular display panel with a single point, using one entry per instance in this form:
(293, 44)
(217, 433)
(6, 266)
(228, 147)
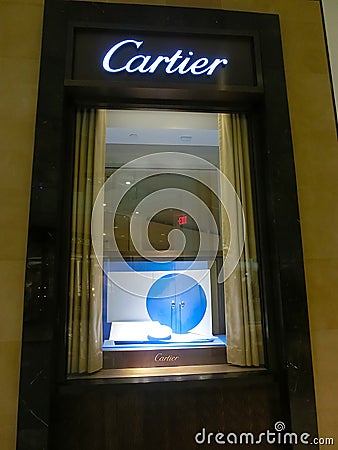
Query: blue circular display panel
(178, 301)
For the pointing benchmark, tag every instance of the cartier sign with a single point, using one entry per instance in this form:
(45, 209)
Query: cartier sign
(165, 358)
(180, 61)
(145, 58)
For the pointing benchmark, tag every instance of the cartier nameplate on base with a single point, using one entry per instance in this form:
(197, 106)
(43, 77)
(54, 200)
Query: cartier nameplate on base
(121, 359)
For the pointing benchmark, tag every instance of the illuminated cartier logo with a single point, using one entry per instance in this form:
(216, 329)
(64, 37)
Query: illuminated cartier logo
(178, 62)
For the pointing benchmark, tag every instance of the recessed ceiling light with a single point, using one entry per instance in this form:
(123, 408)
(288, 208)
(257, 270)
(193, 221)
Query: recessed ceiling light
(128, 182)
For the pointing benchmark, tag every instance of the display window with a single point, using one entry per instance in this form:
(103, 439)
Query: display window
(164, 230)
(163, 266)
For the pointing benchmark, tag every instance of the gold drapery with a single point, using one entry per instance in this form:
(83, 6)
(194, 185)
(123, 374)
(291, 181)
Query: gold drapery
(85, 284)
(242, 301)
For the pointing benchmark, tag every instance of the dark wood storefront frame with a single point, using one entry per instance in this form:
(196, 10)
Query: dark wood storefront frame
(288, 371)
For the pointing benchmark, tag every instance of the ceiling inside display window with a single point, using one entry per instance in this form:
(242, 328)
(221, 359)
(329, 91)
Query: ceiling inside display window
(132, 134)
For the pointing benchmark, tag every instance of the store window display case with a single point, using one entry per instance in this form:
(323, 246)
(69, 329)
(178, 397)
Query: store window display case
(162, 234)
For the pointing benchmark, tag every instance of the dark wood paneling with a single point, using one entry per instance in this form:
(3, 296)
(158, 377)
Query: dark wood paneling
(162, 416)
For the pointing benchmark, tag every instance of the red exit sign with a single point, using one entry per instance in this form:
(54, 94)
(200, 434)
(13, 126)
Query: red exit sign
(182, 220)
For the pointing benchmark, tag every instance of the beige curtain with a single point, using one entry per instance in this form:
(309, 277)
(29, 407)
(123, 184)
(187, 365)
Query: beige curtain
(242, 303)
(85, 287)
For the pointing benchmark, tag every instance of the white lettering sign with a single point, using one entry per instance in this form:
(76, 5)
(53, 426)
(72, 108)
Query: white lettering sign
(178, 62)
(161, 357)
